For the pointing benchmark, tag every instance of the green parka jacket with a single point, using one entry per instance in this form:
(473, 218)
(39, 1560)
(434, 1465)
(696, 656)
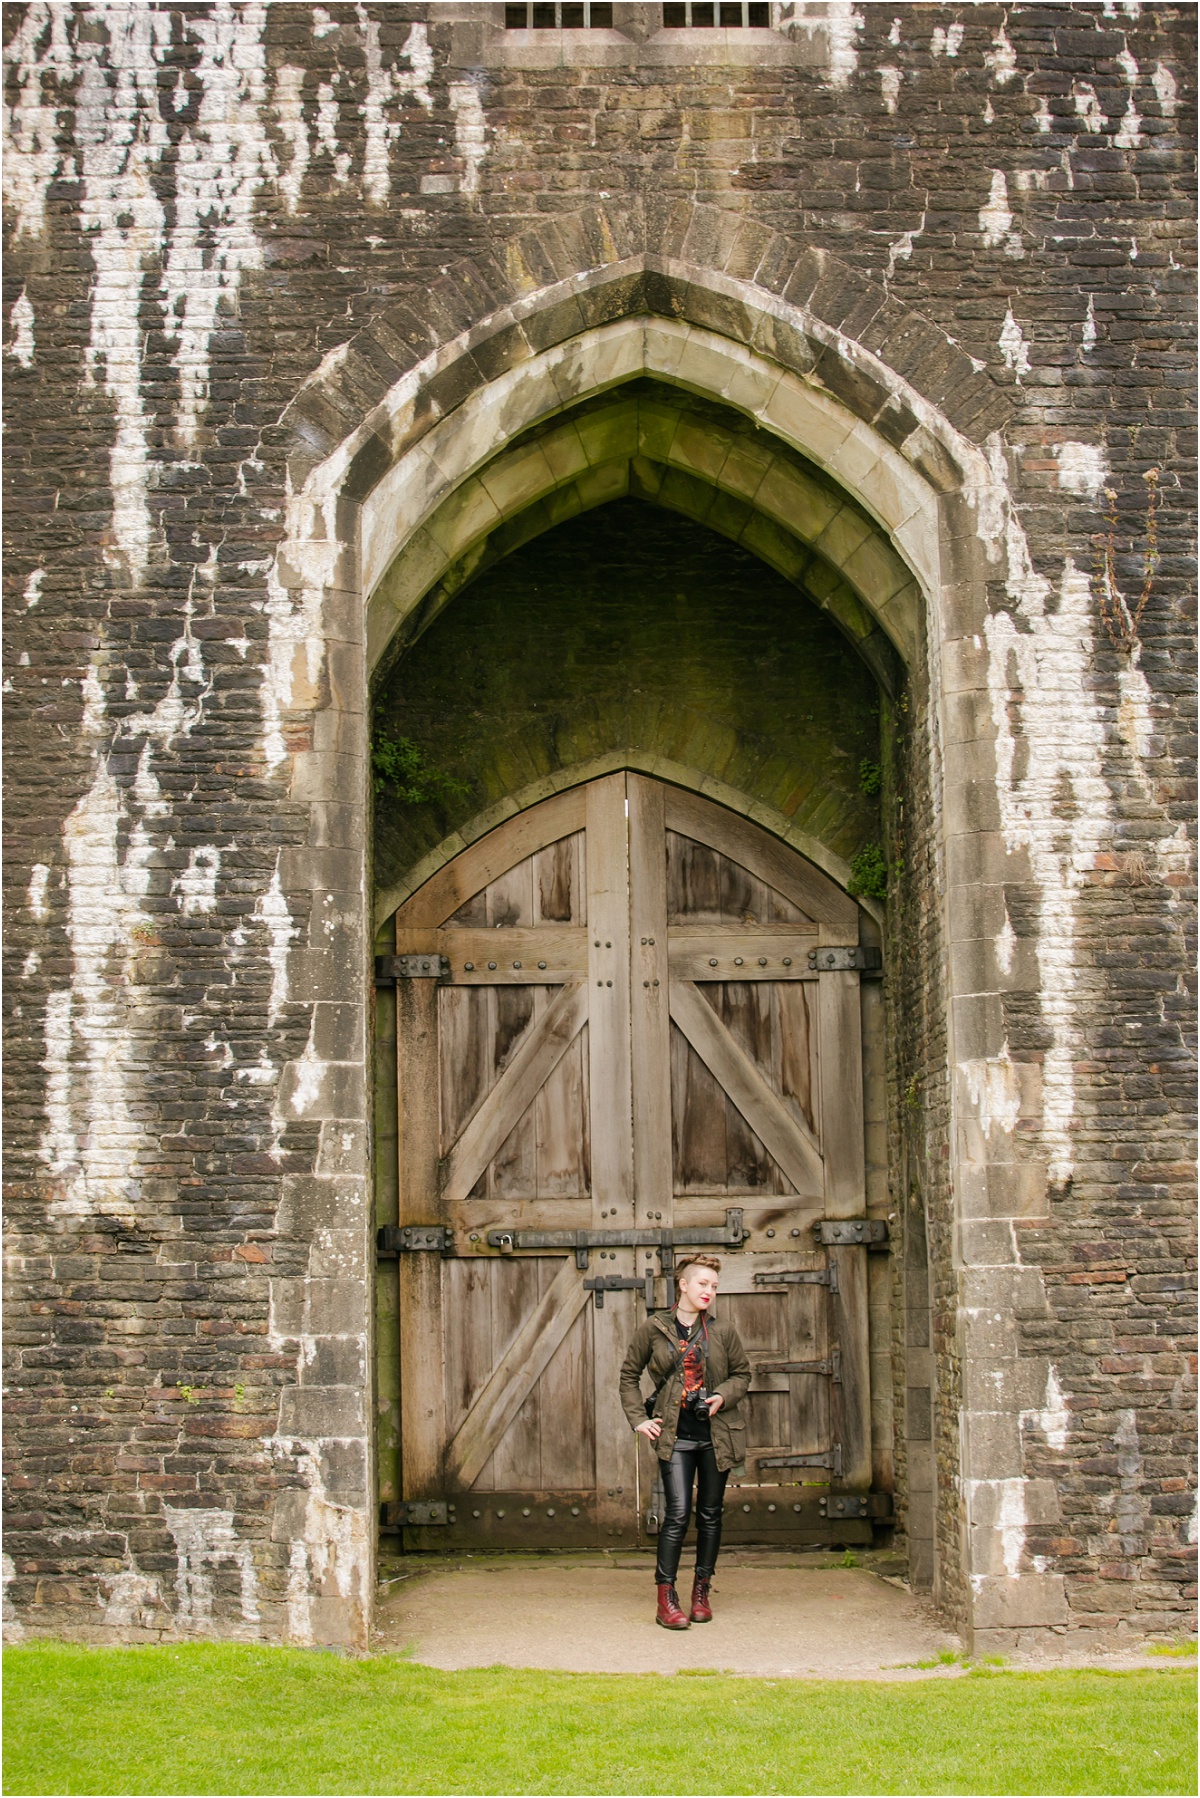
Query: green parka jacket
(656, 1346)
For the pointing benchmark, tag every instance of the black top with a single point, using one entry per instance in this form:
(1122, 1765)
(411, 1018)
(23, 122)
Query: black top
(691, 1428)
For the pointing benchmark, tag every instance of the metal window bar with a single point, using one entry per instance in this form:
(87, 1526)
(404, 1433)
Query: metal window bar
(725, 14)
(562, 15)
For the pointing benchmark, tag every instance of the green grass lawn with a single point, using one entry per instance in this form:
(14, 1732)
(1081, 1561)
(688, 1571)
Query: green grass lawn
(236, 1719)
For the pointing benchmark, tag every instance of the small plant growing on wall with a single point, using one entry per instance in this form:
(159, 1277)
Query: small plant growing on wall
(868, 874)
(399, 770)
(870, 778)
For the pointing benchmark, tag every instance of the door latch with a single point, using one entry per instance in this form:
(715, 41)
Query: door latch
(621, 1283)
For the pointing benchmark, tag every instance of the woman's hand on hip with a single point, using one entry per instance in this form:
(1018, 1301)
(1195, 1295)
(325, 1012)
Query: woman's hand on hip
(714, 1404)
(652, 1428)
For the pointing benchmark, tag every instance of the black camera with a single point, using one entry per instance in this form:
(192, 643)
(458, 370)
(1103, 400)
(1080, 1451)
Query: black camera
(697, 1402)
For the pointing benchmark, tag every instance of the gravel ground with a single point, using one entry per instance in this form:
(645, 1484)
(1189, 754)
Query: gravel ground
(775, 1615)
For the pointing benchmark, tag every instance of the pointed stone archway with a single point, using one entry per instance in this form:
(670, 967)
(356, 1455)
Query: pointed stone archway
(389, 441)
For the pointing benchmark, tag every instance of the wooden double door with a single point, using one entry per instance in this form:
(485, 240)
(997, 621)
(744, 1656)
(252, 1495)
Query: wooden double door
(612, 1047)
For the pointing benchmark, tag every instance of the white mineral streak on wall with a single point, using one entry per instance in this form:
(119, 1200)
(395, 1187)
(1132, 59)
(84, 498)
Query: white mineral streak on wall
(384, 88)
(889, 81)
(1129, 137)
(134, 1600)
(20, 346)
(1087, 105)
(327, 124)
(1042, 670)
(197, 885)
(1001, 59)
(994, 1092)
(1012, 1522)
(470, 132)
(1167, 89)
(289, 109)
(1013, 346)
(331, 1546)
(272, 910)
(203, 1541)
(1082, 468)
(900, 251)
(1053, 1420)
(1088, 335)
(14, 1629)
(222, 161)
(121, 139)
(32, 158)
(33, 591)
(92, 1138)
(842, 24)
(995, 218)
(39, 876)
(947, 42)
(1006, 943)
(1043, 115)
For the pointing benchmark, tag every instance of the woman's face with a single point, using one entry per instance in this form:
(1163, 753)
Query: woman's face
(698, 1287)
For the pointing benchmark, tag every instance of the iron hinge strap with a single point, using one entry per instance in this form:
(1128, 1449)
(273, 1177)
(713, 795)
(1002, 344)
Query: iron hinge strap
(418, 1514)
(844, 1232)
(845, 959)
(830, 1458)
(413, 1239)
(824, 1276)
(391, 968)
(828, 1364)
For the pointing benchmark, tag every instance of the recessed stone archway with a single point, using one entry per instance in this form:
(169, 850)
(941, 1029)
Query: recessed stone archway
(363, 498)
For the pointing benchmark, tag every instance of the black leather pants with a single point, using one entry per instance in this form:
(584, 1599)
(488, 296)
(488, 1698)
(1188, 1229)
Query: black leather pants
(678, 1473)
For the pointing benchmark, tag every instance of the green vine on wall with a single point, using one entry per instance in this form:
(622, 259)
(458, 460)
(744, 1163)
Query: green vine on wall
(400, 771)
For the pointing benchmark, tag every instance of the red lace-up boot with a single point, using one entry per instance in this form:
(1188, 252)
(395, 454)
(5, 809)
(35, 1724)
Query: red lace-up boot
(669, 1613)
(701, 1609)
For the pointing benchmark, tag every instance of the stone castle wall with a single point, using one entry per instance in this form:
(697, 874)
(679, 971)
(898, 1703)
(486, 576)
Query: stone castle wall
(257, 257)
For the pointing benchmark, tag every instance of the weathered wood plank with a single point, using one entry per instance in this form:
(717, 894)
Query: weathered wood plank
(545, 955)
(741, 955)
(650, 1018)
(514, 1376)
(422, 1394)
(542, 1048)
(611, 1106)
(779, 1130)
(491, 857)
(816, 895)
(840, 1064)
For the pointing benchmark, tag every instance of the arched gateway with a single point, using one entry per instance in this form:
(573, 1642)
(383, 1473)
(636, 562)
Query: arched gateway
(627, 1021)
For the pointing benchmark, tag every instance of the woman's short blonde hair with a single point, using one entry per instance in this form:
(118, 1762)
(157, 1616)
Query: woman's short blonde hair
(697, 1261)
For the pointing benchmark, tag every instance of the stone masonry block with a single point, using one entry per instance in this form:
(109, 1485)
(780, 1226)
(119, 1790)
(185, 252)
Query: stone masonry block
(1027, 1601)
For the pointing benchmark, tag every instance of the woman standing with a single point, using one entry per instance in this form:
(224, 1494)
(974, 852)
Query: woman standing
(700, 1375)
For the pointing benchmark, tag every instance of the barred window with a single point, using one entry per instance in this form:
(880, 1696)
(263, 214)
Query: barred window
(727, 13)
(562, 15)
